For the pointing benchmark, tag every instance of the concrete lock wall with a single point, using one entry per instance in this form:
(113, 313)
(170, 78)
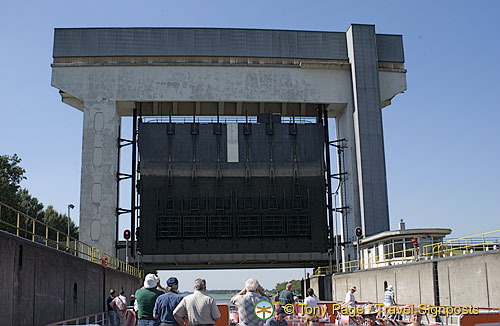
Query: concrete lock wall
(40, 285)
(461, 281)
(321, 285)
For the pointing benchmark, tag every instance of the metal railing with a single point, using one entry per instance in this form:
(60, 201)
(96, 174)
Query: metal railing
(452, 247)
(27, 227)
(222, 119)
(94, 319)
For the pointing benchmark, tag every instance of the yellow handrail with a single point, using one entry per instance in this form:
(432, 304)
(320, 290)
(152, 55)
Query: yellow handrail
(80, 249)
(441, 249)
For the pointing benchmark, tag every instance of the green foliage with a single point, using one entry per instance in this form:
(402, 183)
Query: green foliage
(11, 175)
(295, 286)
(30, 205)
(11, 193)
(59, 221)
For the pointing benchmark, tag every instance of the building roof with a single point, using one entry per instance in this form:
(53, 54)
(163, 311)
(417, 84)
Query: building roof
(214, 42)
(387, 235)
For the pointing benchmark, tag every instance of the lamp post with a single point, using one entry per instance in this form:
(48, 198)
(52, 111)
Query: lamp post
(70, 206)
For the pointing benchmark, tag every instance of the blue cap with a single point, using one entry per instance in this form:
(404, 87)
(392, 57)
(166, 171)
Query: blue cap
(171, 281)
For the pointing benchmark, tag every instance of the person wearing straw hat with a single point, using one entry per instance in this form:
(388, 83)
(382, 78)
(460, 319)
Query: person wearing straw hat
(311, 320)
(369, 316)
(146, 298)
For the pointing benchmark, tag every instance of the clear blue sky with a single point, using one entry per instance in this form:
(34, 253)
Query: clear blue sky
(441, 136)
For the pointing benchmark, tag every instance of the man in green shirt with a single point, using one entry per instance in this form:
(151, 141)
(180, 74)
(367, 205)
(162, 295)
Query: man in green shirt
(286, 296)
(146, 298)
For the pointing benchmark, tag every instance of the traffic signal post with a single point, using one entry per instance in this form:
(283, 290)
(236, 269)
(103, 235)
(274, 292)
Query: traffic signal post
(126, 235)
(359, 233)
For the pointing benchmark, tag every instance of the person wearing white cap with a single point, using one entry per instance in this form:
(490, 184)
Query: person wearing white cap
(146, 298)
(389, 297)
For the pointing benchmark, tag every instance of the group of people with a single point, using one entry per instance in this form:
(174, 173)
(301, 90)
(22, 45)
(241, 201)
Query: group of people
(370, 315)
(117, 308)
(157, 306)
(389, 300)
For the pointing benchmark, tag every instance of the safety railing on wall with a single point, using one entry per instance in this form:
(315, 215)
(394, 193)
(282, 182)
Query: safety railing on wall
(94, 319)
(22, 225)
(451, 247)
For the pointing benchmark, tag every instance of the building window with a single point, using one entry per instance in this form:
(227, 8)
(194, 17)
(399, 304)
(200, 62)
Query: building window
(398, 248)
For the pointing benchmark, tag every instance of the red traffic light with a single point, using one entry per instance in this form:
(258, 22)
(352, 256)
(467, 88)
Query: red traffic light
(359, 232)
(126, 234)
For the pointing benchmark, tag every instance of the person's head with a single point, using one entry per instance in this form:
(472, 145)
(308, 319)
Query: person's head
(200, 284)
(389, 288)
(252, 285)
(289, 286)
(311, 320)
(279, 314)
(370, 320)
(416, 319)
(122, 292)
(370, 316)
(132, 297)
(112, 292)
(173, 284)
(352, 289)
(150, 281)
(310, 292)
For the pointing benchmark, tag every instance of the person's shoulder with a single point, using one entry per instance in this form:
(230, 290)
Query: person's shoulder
(162, 296)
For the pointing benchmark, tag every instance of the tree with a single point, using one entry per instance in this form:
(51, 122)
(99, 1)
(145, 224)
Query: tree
(295, 285)
(11, 175)
(11, 194)
(59, 222)
(30, 205)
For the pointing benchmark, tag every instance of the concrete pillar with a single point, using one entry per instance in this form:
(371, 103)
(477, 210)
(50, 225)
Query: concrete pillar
(99, 167)
(361, 125)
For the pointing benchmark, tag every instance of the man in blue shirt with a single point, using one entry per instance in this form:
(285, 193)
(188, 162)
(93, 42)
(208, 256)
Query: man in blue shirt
(166, 303)
(111, 309)
(278, 319)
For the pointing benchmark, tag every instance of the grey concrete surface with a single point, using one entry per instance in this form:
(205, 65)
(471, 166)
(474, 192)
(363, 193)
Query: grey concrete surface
(464, 280)
(43, 285)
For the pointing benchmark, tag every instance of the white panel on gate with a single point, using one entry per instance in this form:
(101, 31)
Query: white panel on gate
(232, 142)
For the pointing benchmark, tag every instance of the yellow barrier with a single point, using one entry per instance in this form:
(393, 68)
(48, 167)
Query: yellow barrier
(452, 247)
(22, 225)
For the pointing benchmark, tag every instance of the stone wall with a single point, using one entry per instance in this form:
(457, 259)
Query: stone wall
(39, 285)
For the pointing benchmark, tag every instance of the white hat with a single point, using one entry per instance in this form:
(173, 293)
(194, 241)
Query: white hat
(368, 310)
(150, 281)
(389, 287)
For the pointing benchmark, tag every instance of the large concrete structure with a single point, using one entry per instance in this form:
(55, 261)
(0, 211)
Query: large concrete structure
(106, 72)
